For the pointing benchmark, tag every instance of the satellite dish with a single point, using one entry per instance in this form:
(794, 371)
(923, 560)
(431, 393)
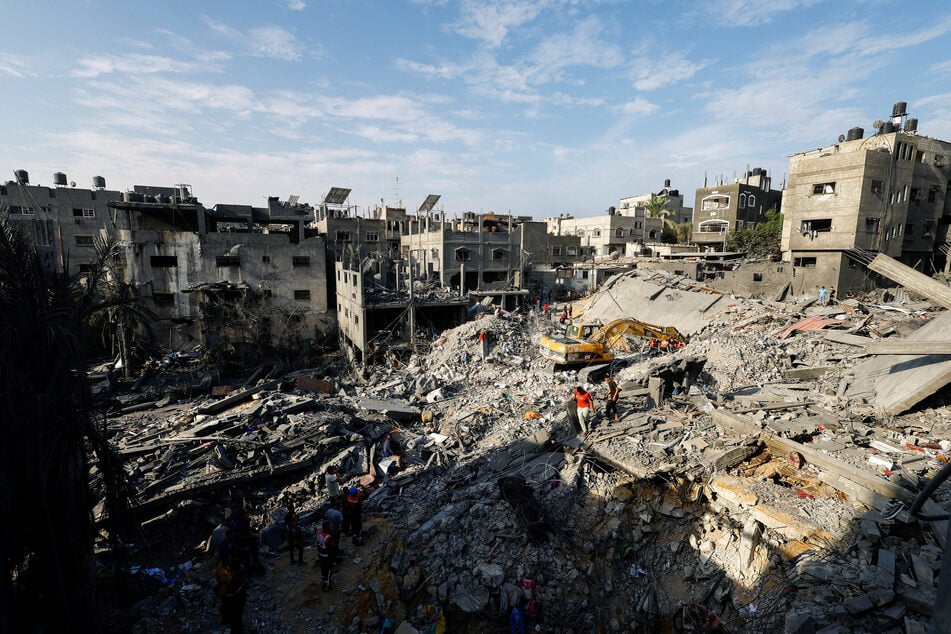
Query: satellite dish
(841, 138)
(72, 183)
(878, 124)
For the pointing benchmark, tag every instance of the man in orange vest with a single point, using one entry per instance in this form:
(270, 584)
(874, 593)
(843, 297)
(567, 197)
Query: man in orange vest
(585, 408)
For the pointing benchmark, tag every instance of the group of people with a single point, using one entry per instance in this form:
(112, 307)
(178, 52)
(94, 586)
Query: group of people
(826, 296)
(581, 410)
(658, 346)
(239, 552)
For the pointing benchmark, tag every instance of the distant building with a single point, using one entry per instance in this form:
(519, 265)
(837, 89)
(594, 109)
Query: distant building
(726, 207)
(607, 234)
(636, 206)
(885, 193)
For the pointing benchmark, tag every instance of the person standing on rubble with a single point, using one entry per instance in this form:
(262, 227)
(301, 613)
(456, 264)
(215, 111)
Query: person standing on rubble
(614, 392)
(484, 343)
(332, 483)
(353, 515)
(232, 587)
(822, 295)
(335, 517)
(585, 408)
(294, 536)
(325, 545)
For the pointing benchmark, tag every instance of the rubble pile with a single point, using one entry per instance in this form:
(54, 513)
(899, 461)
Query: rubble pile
(741, 489)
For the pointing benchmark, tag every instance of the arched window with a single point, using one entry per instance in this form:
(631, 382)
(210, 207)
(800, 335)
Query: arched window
(752, 201)
(619, 232)
(596, 233)
(741, 204)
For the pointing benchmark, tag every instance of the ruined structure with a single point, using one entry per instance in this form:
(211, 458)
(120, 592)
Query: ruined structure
(725, 207)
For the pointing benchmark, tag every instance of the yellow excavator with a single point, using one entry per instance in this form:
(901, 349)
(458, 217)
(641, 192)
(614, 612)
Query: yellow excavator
(584, 344)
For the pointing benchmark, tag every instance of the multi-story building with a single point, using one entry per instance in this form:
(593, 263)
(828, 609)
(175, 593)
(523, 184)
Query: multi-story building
(608, 234)
(725, 207)
(885, 193)
(636, 206)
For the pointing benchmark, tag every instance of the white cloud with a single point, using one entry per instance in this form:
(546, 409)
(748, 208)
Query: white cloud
(942, 67)
(491, 20)
(268, 41)
(639, 106)
(295, 5)
(15, 66)
(667, 69)
(750, 12)
(586, 46)
(132, 64)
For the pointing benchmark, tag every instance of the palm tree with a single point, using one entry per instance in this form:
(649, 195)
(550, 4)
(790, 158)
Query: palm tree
(656, 207)
(51, 432)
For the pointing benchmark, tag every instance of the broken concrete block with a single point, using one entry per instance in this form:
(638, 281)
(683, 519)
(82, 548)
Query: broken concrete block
(858, 605)
(492, 574)
(749, 540)
(886, 568)
(799, 624)
(471, 598)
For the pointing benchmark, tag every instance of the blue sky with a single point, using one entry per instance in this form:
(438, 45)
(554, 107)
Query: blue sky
(535, 107)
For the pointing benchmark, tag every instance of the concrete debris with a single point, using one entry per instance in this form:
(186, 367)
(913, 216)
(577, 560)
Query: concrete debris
(749, 482)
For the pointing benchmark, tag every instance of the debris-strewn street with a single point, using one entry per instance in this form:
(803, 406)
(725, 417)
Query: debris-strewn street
(752, 482)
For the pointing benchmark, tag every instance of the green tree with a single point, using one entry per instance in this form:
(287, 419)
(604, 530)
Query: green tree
(51, 433)
(684, 231)
(656, 207)
(762, 240)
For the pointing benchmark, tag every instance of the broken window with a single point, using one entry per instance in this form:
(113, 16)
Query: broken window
(805, 263)
(823, 188)
(302, 295)
(462, 254)
(498, 254)
(877, 186)
(163, 298)
(84, 213)
(163, 261)
(821, 225)
(84, 241)
(227, 260)
(300, 260)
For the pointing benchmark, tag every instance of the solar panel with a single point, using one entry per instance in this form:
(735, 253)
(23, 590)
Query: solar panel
(292, 200)
(429, 203)
(337, 195)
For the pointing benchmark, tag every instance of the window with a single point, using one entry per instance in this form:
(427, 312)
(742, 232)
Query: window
(227, 260)
(302, 295)
(163, 261)
(343, 236)
(714, 202)
(757, 277)
(909, 229)
(163, 298)
(84, 213)
(933, 194)
(915, 194)
(619, 232)
(805, 263)
(638, 225)
(572, 251)
(823, 188)
(739, 224)
(462, 254)
(338, 276)
(266, 259)
(498, 254)
(919, 157)
(596, 233)
(84, 241)
(872, 225)
(741, 203)
(580, 233)
(929, 230)
(938, 160)
(85, 268)
(267, 292)
(373, 236)
(300, 260)
(821, 225)
(556, 250)
(877, 187)
(751, 201)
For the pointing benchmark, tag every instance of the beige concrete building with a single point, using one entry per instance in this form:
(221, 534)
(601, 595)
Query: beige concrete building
(636, 206)
(726, 207)
(884, 193)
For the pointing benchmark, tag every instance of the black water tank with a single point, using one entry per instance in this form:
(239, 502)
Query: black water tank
(667, 183)
(855, 134)
(59, 179)
(22, 176)
(911, 125)
(899, 109)
(888, 127)
(98, 182)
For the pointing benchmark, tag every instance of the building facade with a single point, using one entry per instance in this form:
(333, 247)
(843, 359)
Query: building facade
(885, 193)
(726, 207)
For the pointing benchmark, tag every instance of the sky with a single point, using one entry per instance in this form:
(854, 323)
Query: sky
(530, 107)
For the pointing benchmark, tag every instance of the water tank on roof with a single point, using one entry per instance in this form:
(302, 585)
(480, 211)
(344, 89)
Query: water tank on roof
(22, 176)
(136, 197)
(888, 127)
(126, 197)
(59, 179)
(667, 183)
(98, 182)
(149, 198)
(854, 134)
(899, 109)
(164, 199)
(674, 193)
(911, 125)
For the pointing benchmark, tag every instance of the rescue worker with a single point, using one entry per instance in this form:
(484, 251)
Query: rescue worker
(331, 481)
(664, 346)
(325, 546)
(654, 345)
(585, 408)
(614, 392)
(353, 515)
(335, 517)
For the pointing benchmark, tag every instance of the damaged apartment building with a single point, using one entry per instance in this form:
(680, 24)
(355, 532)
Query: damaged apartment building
(884, 193)
(190, 266)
